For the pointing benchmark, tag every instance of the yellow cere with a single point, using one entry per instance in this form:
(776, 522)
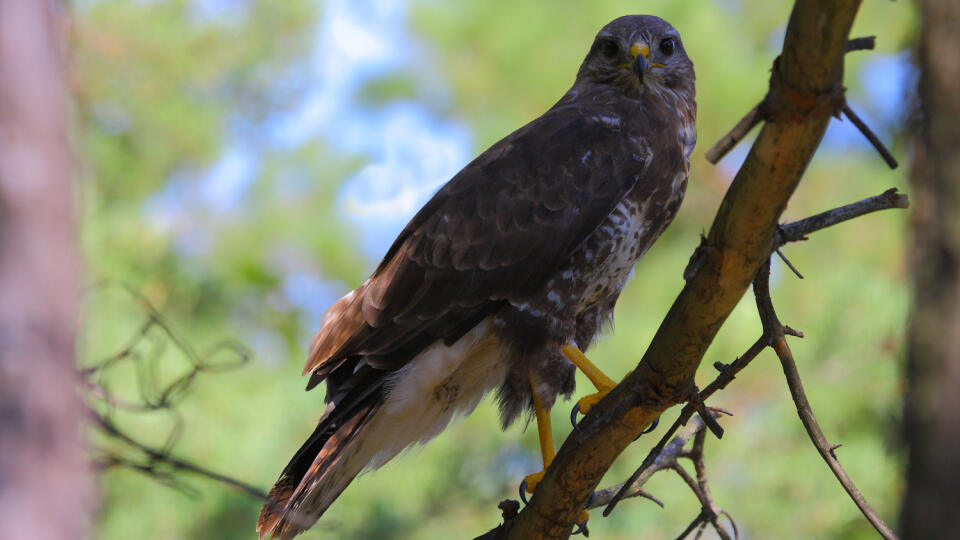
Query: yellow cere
(639, 48)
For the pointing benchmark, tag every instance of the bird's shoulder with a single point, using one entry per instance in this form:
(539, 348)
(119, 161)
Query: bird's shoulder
(510, 218)
(576, 158)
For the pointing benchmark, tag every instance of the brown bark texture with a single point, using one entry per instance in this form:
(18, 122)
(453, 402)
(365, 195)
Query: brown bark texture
(805, 91)
(932, 404)
(45, 482)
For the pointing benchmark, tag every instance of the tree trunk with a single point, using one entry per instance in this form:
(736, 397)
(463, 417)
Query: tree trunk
(932, 405)
(45, 481)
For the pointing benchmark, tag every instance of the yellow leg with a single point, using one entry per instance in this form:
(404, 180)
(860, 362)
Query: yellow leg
(603, 383)
(545, 434)
(544, 431)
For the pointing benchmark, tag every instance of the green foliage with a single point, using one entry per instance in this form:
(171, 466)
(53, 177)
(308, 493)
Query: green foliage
(156, 90)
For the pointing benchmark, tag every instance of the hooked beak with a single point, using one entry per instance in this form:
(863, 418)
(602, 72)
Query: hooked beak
(639, 52)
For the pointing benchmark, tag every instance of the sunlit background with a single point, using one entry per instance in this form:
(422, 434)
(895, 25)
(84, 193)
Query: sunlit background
(245, 163)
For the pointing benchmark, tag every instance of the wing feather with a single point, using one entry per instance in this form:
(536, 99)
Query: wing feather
(496, 232)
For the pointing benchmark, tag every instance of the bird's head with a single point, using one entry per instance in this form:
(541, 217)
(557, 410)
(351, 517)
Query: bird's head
(640, 54)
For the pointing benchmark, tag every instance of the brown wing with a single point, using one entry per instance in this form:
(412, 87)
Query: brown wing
(497, 231)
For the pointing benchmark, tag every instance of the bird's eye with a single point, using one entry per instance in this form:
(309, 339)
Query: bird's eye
(666, 46)
(608, 48)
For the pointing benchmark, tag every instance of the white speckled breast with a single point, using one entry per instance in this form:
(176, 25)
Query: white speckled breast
(608, 257)
(612, 251)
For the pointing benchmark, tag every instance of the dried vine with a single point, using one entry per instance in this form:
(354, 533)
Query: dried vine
(144, 352)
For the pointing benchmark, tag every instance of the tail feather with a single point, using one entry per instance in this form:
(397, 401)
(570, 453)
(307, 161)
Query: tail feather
(317, 474)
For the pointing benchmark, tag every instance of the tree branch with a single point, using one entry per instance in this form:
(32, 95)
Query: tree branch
(661, 460)
(757, 114)
(791, 232)
(143, 352)
(157, 456)
(871, 136)
(798, 230)
(773, 327)
(734, 136)
(805, 91)
(707, 512)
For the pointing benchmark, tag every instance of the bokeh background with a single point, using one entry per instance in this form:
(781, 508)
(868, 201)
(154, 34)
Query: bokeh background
(246, 162)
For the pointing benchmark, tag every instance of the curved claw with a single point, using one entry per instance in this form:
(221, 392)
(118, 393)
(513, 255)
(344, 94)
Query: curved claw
(523, 491)
(653, 426)
(582, 525)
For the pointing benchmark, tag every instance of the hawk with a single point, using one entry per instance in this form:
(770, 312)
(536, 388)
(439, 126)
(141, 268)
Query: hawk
(505, 275)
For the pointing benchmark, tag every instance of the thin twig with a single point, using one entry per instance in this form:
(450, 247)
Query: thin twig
(697, 521)
(746, 124)
(734, 136)
(798, 230)
(164, 457)
(700, 466)
(708, 510)
(697, 400)
(788, 263)
(148, 347)
(773, 327)
(871, 136)
(727, 374)
(820, 441)
(791, 232)
(861, 44)
(692, 483)
(733, 524)
(699, 463)
(661, 461)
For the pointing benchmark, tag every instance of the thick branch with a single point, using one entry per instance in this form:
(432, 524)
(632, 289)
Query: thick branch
(804, 94)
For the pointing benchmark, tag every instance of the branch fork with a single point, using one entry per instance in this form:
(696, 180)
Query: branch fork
(785, 103)
(774, 336)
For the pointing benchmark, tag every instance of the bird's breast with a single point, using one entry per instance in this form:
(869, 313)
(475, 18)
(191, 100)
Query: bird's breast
(607, 258)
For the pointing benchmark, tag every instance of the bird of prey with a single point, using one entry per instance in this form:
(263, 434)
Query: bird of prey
(505, 275)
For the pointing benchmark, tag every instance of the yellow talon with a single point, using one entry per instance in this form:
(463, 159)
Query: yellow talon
(603, 383)
(597, 377)
(533, 480)
(587, 402)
